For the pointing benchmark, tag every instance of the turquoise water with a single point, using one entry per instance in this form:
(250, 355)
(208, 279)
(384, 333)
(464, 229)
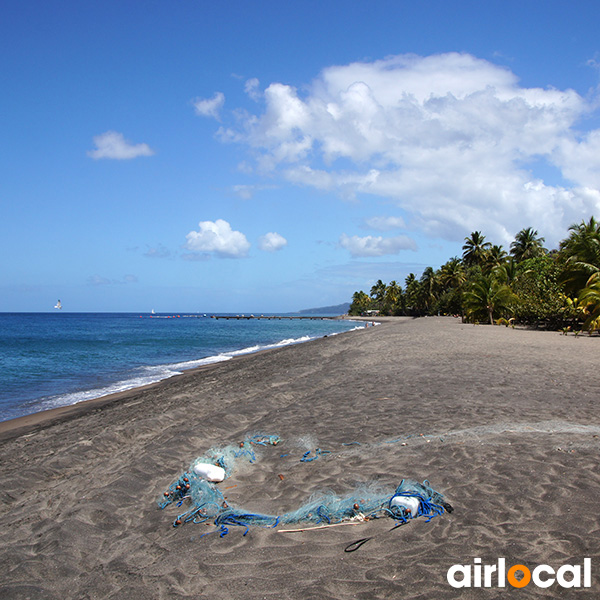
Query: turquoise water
(57, 359)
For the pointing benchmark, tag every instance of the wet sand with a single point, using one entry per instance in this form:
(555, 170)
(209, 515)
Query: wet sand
(505, 423)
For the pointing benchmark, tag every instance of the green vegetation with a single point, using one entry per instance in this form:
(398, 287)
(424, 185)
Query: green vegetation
(531, 286)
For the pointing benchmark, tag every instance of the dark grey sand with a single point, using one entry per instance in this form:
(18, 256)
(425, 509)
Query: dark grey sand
(510, 426)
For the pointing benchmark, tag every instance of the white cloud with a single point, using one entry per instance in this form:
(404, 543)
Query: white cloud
(113, 145)
(217, 237)
(251, 88)
(246, 192)
(385, 223)
(580, 159)
(446, 137)
(210, 107)
(271, 242)
(376, 245)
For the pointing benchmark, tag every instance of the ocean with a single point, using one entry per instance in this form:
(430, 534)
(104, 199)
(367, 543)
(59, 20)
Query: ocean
(57, 359)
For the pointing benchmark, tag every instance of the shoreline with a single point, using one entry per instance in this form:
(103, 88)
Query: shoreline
(502, 422)
(23, 424)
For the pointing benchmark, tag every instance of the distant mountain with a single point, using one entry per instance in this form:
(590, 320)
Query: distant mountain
(339, 309)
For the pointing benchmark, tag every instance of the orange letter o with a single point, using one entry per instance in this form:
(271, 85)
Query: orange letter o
(514, 581)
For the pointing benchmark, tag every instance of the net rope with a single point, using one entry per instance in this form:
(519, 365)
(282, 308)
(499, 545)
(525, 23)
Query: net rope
(205, 502)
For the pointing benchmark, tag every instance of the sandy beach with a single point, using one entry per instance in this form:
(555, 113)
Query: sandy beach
(503, 422)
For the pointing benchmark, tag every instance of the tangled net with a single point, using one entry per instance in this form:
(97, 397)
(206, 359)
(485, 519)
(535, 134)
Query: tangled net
(206, 502)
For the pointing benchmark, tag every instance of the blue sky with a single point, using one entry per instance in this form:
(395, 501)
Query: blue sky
(274, 156)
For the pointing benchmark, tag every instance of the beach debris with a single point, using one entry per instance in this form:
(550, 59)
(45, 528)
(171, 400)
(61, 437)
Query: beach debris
(303, 529)
(318, 452)
(209, 472)
(199, 488)
(408, 503)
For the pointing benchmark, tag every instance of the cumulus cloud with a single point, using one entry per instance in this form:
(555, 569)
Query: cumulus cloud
(112, 144)
(376, 245)
(452, 139)
(210, 107)
(271, 242)
(580, 159)
(219, 239)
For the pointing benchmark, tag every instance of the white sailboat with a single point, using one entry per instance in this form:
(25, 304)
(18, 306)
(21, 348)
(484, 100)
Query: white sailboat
(58, 305)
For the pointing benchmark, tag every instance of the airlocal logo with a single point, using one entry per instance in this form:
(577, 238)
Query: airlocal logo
(543, 576)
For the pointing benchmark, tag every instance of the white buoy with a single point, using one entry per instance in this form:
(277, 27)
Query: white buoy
(209, 472)
(409, 503)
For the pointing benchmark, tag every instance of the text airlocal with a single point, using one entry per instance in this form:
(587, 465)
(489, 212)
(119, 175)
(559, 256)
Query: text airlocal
(542, 576)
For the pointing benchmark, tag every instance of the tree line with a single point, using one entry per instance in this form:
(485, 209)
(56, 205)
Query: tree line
(557, 289)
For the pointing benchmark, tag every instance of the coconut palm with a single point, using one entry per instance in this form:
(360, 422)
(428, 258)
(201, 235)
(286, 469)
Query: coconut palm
(581, 253)
(428, 285)
(506, 272)
(392, 300)
(411, 294)
(494, 257)
(452, 277)
(527, 244)
(474, 249)
(378, 293)
(452, 274)
(487, 295)
(360, 303)
(590, 298)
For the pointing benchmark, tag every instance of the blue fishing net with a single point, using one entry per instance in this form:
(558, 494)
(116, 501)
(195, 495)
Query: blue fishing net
(205, 502)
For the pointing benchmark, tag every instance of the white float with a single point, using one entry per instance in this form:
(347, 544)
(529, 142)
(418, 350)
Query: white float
(209, 472)
(409, 503)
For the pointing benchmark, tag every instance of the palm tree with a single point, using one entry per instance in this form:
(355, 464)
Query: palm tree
(378, 293)
(452, 277)
(452, 274)
(360, 302)
(474, 249)
(487, 295)
(494, 257)
(392, 300)
(506, 272)
(428, 288)
(411, 294)
(527, 245)
(590, 298)
(581, 252)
